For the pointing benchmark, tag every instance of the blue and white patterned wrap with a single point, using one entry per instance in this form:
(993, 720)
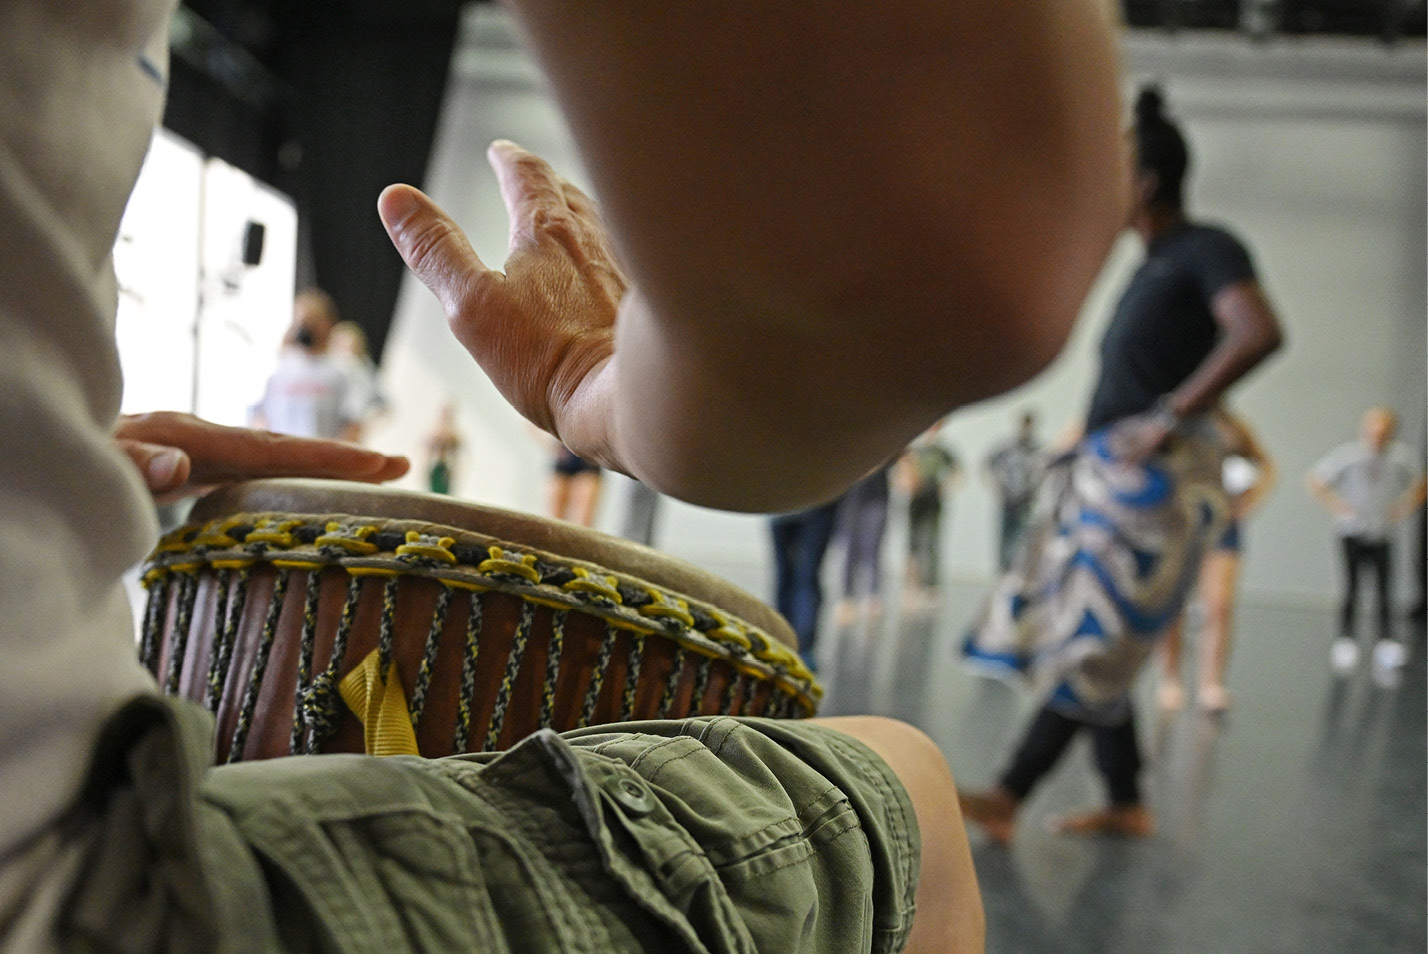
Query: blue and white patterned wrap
(1104, 569)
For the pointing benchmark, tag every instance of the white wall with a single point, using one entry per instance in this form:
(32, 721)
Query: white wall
(1315, 153)
(198, 330)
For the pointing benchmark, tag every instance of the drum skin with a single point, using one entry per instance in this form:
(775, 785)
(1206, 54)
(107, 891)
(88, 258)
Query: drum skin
(531, 623)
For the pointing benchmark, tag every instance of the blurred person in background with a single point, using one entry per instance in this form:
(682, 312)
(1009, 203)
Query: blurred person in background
(1130, 511)
(1014, 469)
(348, 346)
(925, 474)
(860, 527)
(311, 394)
(1249, 474)
(443, 449)
(1369, 485)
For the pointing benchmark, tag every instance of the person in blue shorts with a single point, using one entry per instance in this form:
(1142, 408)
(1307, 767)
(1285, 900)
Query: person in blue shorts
(1249, 474)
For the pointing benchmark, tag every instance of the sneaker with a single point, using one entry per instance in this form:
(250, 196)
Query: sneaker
(1344, 655)
(1389, 654)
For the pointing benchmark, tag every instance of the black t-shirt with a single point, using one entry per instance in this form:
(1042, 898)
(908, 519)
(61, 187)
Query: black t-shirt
(1163, 326)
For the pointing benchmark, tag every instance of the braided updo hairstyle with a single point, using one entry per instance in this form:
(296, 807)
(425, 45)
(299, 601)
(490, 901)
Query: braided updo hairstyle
(1160, 148)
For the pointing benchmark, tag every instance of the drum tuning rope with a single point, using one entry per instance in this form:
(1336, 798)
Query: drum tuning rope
(260, 666)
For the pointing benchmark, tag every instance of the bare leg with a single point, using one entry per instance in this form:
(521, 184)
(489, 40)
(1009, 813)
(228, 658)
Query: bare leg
(584, 498)
(1219, 582)
(1169, 695)
(558, 496)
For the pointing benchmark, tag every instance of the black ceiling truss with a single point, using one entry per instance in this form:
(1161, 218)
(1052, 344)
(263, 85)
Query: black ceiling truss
(330, 100)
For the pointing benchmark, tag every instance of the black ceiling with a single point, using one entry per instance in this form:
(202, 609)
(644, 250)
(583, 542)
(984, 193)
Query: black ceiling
(328, 100)
(1388, 20)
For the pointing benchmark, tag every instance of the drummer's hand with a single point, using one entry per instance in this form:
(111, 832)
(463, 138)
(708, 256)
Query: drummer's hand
(543, 329)
(180, 455)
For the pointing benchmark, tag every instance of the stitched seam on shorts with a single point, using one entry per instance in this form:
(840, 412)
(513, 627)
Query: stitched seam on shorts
(543, 873)
(899, 831)
(647, 752)
(736, 847)
(803, 858)
(896, 817)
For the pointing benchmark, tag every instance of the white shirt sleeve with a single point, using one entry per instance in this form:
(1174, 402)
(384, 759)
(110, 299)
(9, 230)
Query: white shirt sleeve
(80, 94)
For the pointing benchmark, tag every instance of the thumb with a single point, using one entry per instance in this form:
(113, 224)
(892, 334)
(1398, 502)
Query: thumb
(163, 468)
(432, 245)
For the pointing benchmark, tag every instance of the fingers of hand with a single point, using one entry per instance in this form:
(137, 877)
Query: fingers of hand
(246, 454)
(579, 203)
(212, 453)
(163, 468)
(432, 245)
(531, 189)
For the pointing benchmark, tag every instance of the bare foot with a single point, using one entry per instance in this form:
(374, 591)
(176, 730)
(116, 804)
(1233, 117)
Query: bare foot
(994, 811)
(1132, 821)
(1214, 698)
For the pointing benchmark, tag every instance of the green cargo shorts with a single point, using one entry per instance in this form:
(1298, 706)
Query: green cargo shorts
(703, 835)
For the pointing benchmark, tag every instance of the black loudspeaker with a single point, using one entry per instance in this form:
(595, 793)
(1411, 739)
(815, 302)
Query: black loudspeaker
(253, 235)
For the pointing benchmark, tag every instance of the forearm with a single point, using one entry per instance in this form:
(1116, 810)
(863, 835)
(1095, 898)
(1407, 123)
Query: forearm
(1233, 357)
(1411, 500)
(1327, 499)
(840, 229)
(1265, 479)
(707, 421)
(1251, 333)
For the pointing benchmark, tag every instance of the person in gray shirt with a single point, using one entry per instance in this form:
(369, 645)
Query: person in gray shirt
(1369, 485)
(1015, 469)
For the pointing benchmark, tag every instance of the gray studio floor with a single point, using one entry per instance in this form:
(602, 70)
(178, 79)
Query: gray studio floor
(1294, 823)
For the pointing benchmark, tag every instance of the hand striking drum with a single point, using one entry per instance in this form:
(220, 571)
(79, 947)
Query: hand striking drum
(307, 623)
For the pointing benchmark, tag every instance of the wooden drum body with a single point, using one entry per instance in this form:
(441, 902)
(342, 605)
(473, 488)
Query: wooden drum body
(293, 612)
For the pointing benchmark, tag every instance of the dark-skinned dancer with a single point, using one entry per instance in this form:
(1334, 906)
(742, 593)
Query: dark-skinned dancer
(1126, 516)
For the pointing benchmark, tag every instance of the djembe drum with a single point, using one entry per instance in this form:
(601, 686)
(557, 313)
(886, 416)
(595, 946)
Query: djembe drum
(319, 616)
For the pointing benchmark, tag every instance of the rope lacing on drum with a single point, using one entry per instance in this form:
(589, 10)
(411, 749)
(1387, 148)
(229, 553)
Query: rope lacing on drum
(671, 685)
(597, 677)
(428, 659)
(158, 585)
(305, 651)
(187, 595)
(746, 704)
(632, 676)
(701, 685)
(260, 666)
(552, 668)
(319, 705)
(468, 674)
(508, 680)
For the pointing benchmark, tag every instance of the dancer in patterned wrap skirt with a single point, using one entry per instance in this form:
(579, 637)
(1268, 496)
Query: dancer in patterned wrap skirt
(1126, 516)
